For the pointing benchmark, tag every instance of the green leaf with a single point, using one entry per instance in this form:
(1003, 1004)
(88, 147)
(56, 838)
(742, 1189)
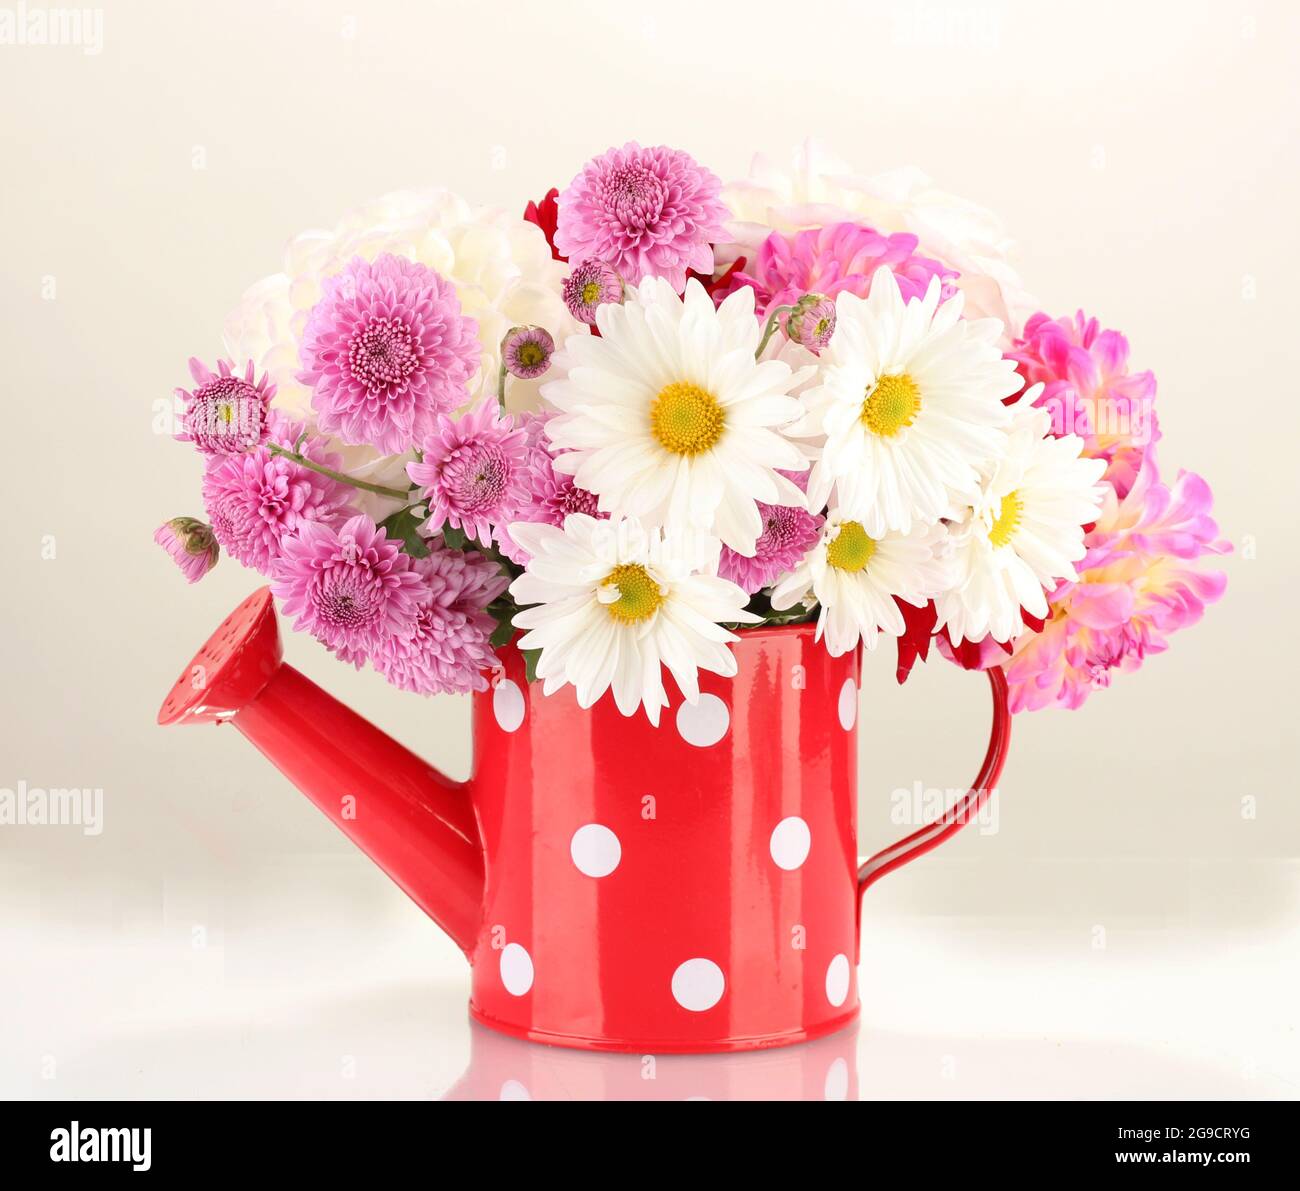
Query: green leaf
(503, 634)
(404, 526)
(531, 658)
(457, 539)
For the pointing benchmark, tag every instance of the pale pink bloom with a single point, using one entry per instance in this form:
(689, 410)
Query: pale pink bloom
(385, 351)
(191, 545)
(470, 472)
(828, 260)
(449, 649)
(546, 496)
(645, 213)
(526, 352)
(257, 498)
(1090, 391)
(588, 287)
(812, 322)
(349, 587)
(226, 413)
(788, 534)
(1136, 585)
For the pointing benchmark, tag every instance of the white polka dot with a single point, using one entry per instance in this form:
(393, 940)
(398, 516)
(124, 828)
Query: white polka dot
(698, 984)
(595, 850)
(508, 705)
(512, 1089)
(790, 842)
(836, 1086)
(848, 704)
(704, 723)
(837, 980)
(516, 969)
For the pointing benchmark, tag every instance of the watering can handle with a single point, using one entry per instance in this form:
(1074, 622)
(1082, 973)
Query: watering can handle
(961, 812)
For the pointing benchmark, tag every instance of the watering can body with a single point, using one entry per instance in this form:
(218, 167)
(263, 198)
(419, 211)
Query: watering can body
(689, 887)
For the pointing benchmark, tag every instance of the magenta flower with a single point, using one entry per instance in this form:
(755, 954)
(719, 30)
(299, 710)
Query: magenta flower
(349, 587)
(526, 352)
(1090, 392)
(449, 648)
(191, 545)
(827, 260)
(258, 498)
(645, 213)
(788, 534)
(226, 414)
(546, 496)
(385, 351)
(470, 472)
(1136, 585)
(588, 287)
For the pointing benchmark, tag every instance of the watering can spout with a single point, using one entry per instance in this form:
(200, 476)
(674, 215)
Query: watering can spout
(414, 822)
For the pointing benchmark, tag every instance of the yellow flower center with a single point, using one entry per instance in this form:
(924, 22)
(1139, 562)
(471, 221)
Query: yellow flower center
(590, 292)
(891, 405)
(638, 594)
(531, 354)
(686, 419)
(1008, 519)
(851, 549)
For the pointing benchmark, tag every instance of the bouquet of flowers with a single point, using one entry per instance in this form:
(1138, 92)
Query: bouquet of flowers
(655, 410)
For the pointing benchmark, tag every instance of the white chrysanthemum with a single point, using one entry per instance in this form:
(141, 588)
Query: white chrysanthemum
(855, 577)
(667, 417)
(1025, 531)
(817, 189)
(909, 404)
(500, 265)
(614, 603)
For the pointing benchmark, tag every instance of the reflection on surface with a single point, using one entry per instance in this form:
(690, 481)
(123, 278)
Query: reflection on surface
(503, 1068)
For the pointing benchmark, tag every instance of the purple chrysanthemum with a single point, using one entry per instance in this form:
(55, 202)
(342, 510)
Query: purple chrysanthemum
(470, 472)
(526, 352)
(788, 534)
(258, 498)
(349, 587)
(385, 351)
(589, 286)
(645, 213)
(449, 648)
(227, 414)
(548, 496)
(191, 544)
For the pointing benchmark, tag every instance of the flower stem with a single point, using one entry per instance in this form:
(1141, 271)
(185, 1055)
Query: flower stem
(365, 485)
(770, 330)
(501, 382)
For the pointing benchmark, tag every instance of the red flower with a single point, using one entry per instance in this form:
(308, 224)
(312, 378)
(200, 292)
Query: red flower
(546, 215)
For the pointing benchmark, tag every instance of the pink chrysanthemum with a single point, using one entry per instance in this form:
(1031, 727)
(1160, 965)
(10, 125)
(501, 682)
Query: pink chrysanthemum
(547, 496)
(828, 260)
(449, 648)
(385, 351)
(588, 287)
(812, 322)
(788, 534)
(226, 414)
(645, 213)
(526, 352)
(470, 472)
(1090, 392)
(191, 544)
(256, 499)
(1136, 585)
(349, 587)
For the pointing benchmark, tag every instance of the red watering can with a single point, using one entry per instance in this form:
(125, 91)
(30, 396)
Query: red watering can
(616, 886)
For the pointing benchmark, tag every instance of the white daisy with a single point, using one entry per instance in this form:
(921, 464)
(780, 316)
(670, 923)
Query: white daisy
(1023, 533)
(855, 577)
(910, 404)
(614, 602)
(667, 417)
